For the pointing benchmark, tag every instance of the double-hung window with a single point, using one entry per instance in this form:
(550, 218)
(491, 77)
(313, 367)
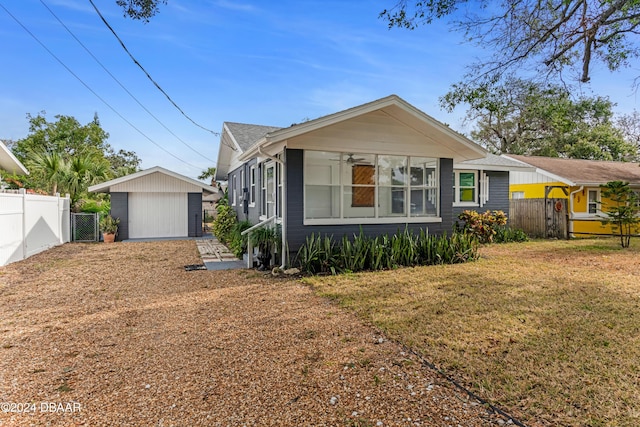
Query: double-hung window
(593, 200)
(253, 177)
(465, 188)
(234, 189)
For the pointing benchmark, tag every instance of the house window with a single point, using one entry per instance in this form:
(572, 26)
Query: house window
(593, 201)
(234, 189)
(465, 188)
(279, 193)
(515, 195)
(269, 190)
(368, 186)
(253, 177)
(423, 187)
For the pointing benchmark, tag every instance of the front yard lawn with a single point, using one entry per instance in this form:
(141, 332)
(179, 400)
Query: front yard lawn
(549, 331)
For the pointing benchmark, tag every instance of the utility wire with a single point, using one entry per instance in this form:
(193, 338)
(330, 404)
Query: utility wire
(119, 83)
(91, 90)
(145, 71)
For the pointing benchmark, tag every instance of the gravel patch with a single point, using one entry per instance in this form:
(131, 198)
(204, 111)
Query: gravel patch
(121, 334)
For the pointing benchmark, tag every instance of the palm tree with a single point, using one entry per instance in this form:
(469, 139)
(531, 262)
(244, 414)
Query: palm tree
(208, 173)
(84, 170)
(50, 166)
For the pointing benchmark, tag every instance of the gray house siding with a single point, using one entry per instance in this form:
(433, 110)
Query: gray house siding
(251, 213)
(234, 183)
(194, 214)
(120, 209)
(297, 231)
(498, 195)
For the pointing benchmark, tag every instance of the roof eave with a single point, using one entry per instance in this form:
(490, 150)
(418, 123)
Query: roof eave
(105, 187)
(10, 163)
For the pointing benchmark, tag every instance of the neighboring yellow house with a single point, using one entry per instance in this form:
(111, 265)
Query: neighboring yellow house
(578, 181)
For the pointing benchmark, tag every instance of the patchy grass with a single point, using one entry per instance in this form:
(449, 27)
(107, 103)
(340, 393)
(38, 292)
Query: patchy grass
(548, 331)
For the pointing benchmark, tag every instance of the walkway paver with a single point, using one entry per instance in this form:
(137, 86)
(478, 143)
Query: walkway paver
(217, 256)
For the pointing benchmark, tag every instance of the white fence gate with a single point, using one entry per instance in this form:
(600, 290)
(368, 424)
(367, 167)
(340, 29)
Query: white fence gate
(30, 224)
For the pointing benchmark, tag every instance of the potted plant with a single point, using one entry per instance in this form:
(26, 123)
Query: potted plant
(264, 239)
(109, 228)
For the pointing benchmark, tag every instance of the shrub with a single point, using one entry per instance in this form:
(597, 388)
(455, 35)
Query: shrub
(506, 234)
(238, 242)
(225, 221)
(482, 225)
(102, 207)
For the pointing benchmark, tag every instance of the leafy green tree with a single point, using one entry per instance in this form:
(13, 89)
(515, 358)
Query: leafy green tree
(122, 162)
(140, 9)
(65, 156)
(629, 125)
(622, 207)
(525, 117)
(65, 136)
(552, 35)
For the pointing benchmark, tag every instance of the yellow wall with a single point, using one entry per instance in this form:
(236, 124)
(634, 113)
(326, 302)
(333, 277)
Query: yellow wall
(590, 226)
(536, 191)
(586, 225)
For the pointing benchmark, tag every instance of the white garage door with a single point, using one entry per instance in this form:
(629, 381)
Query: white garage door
(157, 215)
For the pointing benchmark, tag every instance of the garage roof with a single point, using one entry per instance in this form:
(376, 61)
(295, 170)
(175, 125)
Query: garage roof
(105, 187)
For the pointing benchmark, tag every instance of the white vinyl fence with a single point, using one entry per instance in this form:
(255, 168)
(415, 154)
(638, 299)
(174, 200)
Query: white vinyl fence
(30, 224)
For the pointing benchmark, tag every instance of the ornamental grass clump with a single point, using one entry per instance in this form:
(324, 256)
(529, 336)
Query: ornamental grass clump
(323, 255)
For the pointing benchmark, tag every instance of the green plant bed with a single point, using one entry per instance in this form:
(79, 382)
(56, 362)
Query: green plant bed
(322, 254)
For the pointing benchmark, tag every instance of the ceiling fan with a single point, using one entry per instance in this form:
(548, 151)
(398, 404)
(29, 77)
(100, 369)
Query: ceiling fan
(352, 160)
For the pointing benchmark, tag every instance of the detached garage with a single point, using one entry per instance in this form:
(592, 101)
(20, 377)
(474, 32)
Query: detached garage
(156, 203)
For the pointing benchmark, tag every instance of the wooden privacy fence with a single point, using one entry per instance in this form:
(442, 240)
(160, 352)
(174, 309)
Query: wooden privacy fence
(545, 218)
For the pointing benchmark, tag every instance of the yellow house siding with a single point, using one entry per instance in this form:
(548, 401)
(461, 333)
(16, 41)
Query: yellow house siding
(589, 227)
(536, 191)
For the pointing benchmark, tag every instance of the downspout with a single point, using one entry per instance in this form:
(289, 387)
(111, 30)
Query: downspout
(283, 208)
(571, 212)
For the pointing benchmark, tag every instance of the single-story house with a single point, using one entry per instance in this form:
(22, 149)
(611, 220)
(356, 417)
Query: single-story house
(578, 182)
(9, 162)
(156, 202)
(379, 167)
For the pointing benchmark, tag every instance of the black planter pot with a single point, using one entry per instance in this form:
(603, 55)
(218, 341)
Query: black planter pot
(265, 261)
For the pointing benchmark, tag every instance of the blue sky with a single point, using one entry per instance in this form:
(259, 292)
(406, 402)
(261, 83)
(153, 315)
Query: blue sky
(270, 63)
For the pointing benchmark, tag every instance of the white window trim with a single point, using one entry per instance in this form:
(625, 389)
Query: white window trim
(407, 218)
(252, 186)
(386, 220)
(598, 212)
(456, 186)
(234, 190)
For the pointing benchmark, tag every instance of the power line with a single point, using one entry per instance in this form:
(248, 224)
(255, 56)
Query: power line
(119, 83)
(91, 90)
(145, 71)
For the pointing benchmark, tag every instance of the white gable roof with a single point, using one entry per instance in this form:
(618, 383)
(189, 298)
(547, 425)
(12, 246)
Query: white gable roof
(396, 111)
(460, 147)
(9, 163)
(106, 187)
